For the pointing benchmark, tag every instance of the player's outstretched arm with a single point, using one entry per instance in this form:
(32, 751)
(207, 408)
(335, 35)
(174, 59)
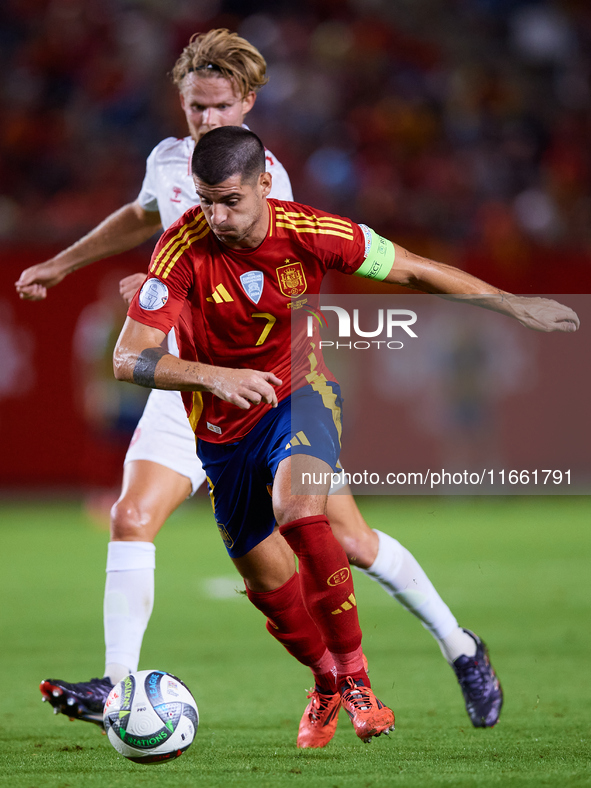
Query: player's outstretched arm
(538, 314)
(124, 229)
(419, 273)
(139, 358)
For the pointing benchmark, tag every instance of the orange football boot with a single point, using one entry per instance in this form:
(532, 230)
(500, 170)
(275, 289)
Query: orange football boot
(368, 714)
(319, 722)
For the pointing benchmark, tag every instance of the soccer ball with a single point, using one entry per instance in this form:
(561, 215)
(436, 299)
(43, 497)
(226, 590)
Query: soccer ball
(150, 716)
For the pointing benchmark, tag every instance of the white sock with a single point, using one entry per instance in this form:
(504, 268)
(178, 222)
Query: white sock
(400, 574)
(129, 599)
(116, 672)
(456, 644)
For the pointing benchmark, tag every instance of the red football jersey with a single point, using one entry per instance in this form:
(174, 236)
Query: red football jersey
(241, 302)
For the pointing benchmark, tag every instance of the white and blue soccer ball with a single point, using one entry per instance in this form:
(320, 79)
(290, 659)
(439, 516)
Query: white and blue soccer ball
(150, 716)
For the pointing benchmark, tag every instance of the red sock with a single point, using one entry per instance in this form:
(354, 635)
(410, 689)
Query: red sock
(326, 582)
(325, 683)
(325, 674)
(289, 623)
(352, 665)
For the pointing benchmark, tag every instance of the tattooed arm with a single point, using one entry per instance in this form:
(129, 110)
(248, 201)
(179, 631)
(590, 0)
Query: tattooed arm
(140, 359)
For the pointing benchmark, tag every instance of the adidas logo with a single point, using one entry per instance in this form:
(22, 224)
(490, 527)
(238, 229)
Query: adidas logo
(219, 294)
(347, 605)
(299, 439)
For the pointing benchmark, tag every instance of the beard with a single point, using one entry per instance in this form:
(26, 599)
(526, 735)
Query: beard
(234, 235)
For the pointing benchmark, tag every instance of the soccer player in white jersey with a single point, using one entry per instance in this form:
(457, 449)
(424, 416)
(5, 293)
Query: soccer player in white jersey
(218, 75)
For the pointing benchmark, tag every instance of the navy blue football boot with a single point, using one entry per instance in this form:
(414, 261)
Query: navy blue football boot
(83, 701)
(481, 688)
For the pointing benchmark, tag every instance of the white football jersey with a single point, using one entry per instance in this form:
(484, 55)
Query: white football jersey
(168, 184)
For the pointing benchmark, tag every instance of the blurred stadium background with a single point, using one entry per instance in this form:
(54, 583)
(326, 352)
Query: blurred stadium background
(458, 127)
(461, 129)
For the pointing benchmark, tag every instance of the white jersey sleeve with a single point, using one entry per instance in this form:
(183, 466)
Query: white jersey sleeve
(281, 185)
(168, 186)
(148, 196)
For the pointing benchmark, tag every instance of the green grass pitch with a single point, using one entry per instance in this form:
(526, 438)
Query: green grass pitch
(514, 570)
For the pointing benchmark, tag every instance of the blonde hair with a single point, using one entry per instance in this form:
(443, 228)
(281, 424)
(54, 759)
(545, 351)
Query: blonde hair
(220, 52)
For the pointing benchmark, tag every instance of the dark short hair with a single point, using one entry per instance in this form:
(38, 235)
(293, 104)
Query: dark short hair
(226, 151)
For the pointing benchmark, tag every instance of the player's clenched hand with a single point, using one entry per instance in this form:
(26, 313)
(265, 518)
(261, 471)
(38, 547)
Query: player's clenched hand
(34, 281)
(244, 387)
(544, 314)
(129, 286)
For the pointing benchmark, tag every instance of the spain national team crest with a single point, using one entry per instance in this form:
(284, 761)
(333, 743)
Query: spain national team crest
(341, 576)
(228, 541)
(252, 283)
(292, 280)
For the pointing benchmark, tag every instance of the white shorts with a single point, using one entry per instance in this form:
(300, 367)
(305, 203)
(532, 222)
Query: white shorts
(164, 435)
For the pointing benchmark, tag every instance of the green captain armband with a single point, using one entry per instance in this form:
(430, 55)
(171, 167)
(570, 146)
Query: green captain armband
(379, 256)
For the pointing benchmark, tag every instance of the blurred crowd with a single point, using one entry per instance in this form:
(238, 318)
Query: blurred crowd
(449, 123)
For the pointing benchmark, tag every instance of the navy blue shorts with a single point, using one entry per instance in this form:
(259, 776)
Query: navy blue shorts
(240, 475)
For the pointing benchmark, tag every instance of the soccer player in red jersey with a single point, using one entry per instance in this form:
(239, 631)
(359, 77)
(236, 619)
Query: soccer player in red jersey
(218, 76)
(221, 273)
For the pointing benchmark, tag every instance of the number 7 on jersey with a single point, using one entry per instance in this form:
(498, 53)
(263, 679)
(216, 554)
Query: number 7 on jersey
(271, 320)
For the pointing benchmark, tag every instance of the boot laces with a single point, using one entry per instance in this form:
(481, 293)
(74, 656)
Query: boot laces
(357, 696)
(471, 678)
(320, 703)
